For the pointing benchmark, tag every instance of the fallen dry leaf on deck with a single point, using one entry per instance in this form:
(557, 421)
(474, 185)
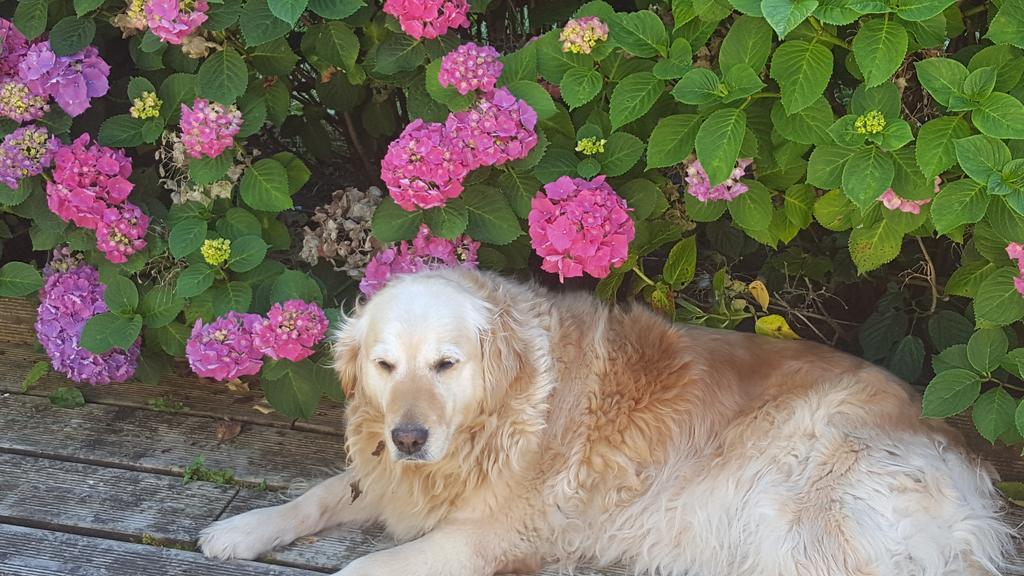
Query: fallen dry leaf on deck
(228, 429)
(263, 407)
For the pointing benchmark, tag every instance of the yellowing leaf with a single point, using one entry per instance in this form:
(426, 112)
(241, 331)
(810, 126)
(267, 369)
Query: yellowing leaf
(775, 326)
(760, 293)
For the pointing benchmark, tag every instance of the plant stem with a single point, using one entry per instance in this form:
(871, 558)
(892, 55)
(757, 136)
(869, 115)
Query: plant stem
(640, 273)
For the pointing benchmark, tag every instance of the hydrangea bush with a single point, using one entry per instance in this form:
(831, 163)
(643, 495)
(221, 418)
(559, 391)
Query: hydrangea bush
(850, 171)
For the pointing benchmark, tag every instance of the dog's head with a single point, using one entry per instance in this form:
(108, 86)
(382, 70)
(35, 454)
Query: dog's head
(429, 352)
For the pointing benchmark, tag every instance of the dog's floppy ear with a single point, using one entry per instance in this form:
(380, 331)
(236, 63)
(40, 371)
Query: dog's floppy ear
(346, 353)
(506, 362)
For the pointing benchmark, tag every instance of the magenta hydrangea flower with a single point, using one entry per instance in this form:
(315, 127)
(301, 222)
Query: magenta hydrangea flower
(1015, 250)
(209, 128)
(290, 330)
(25, 152)
(698, 184)
(87, 179)
(428, 18)
(499, 128)
(426, 252)
(70, 80)
(422, 167)
(224, 349)
(19, 103)
(173, 20)
(13, 46)
(470, 67)
(121, 232)
(71, 295)
(579, 226)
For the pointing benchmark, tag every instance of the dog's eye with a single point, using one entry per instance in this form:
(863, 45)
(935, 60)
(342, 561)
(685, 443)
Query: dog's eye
(385, 365)
(443, 365)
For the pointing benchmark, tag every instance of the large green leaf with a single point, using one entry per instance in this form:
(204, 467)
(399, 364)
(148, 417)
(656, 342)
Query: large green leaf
(107, 331)
(941, 77)
(295, 392)
(120, 294)
(752, 210)
(907, 360)
(808, 126)
(535, 96)
(826, 164)
(879, 48)
(160, 306)
(247, 253)
(785, 15)
(19, 279)
(398, 53)
(336, 9)
(186, 237)
(450, 220)
(259, 25)
(993, 413)
(334, 43)
(875, 245)
(998, 301)
(634, 97)
(987, 348)
(920, 10)
(71, 34)
(682, 263)
(867, 175)
(194, 280)
(391, 223)
(698, 86)
(803, 70)
(222, 77)
(265, 186)
(672, 140)
(581, 85)
(287, 10)
(749, 42)
(30, 17)
(491, 219)
(949, 393)
(960, 202)
(621, 152)
(718, 143)
(936, 150)
(1008, 25)
(235, 296)
(981, 156)
(640, 33)
(1000, 116)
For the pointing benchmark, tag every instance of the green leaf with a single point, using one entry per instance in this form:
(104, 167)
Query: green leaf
(288, 10)
(947, 328)
(30, 17)
(19, 279)
(678, 62)
(993, 413)
(334, 43)
(259, 25)
(295, 393)
(843, 132)
(874, 246)
(1014, 362)
(998, 301)
(952, 357)
(879, 48)
(718, 143)
(336, 9)
(1008, 25)
(981, 156)
(785, 15)
(83, 7)
(534, 95)
(160, 306)
(295, 285)
(448, 221)
(672, 140)
(391, 223)
(580, 85)
(741, 81)
(195, 280)
(235, 296)
(186, 237)
(71, 34)
(808, 126)
(120, 294)
(107, 331)
(633, 97)
(936, 150)
(698, 86)
(39, 369)
(960, 202)
(834, 211)
(448, 96)
(682, 263)
(749, 42)
(643, 197)
(275, 58)
(122, 131)
(621, 152)
(867, 175)
(894, 136)
(588, 168)
(941, 77)
(205, 171)
(949, 393)
(65, 397)
(552, 63)
(222, 16)
(704, 211)
(265, 186)
(987, 348)
(640, 33)
(491, 219)
(1007, 62)
(398, 53)
(803, 70)
(979, 84)
(907, 359)
(752, 210)
(222, 77)
(1000, 116)
(247, 253)
(880, 333)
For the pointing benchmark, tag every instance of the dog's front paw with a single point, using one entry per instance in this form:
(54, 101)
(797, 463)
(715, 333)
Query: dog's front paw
(245, 536)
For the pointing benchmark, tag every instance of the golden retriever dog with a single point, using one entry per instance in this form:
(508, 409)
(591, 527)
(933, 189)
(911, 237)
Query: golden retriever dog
(496, 427)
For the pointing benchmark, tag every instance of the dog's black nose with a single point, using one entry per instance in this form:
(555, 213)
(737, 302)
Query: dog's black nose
(409, 439)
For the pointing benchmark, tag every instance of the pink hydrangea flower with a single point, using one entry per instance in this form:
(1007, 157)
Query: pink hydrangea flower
(892, 201)
(470, 67)
(173, 20)
(19, 103)
(581, 35)
(209, 128)
(121, 232)
(13, 46)
(698, 184)
(87, 179)
(25, 152)
(71, 295)
(224, 349)
(499, 128)
(72, 81)
(579, 226)
(290, 330)
(423, 168)
(426, 252)
(1015, 251)
(428, 18)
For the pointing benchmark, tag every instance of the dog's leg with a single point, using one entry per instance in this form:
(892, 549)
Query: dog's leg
(248, 535)
(463, 549)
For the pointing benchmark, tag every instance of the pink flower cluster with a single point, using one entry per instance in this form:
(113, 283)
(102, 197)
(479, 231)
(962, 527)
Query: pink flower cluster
(698, 184)
(425, 253)
(233, 345)
(209, 128)
(173, 20)
(72, 81)
(90, 188)
(1015, 251)
(579, 226)
(892, 201)
(428, 18)
(13, 46)
(425, 166)
(71, 296)
(25, 152)
(470, 67)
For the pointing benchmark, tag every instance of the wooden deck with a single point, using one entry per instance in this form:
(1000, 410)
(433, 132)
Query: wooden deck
(98, 490)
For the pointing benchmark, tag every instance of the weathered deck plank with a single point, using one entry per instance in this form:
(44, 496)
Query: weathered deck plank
(108, 502)
(163, 443)
(19, 320)
(35, 552)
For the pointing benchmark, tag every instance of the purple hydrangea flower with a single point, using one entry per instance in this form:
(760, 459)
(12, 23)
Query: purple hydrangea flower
(71, 80)
(25, 152)
(224, 349)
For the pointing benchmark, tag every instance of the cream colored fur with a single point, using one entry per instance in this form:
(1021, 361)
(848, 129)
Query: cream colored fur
(567, 431)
